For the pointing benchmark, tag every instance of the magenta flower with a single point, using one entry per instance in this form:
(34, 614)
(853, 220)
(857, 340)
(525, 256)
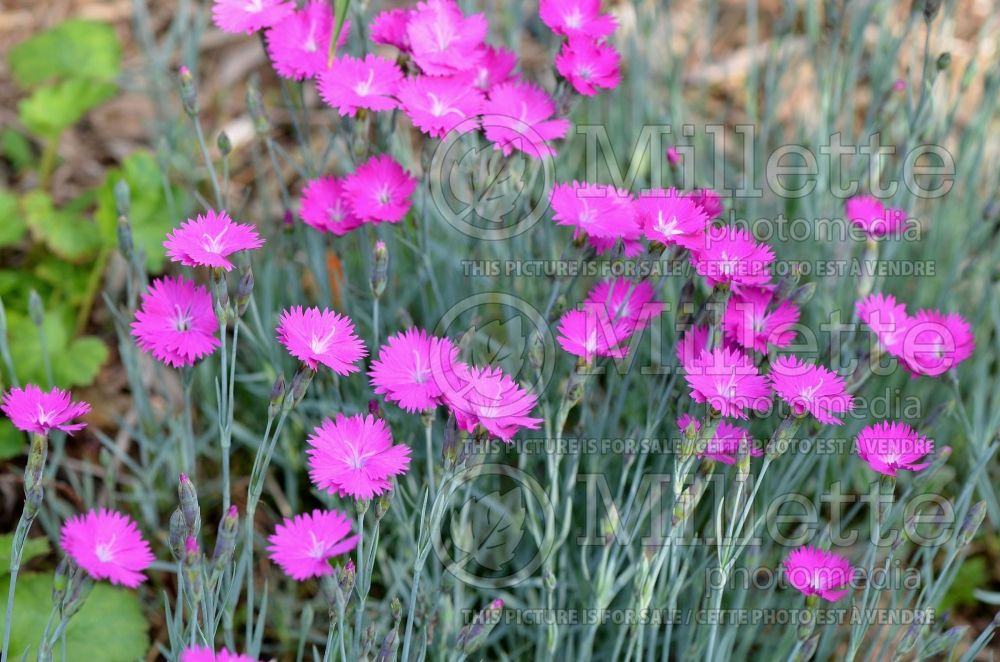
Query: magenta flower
(872, 216)
(708, 200)
(380, 190)
(890, 445)
(107, 545)
(304, 545)
(887, 319)
(354, 456)
(591, 332)
(176, 322)
(596, 209)
(299, 45)
(389, 27)
(209, 239)
(730, 254)
(352, 83)
(726, 443)
(316, 336)
(589, 65)
(488, 397)
(325, 207)
(576, 18)
(934, 343)
(810, 388)
(728, 381)
(671, 218)
(627, 301)
(443, 40)
(692, 344)
(518, 115)
(753, 321)
(495, 66)
(206, 654)
(673, 156)
(249, 16)
(33, 410)
(815, 571)
(438, 104)
(408, 369)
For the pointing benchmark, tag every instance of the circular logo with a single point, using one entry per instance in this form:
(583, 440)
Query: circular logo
(487, 192)
(487, 541)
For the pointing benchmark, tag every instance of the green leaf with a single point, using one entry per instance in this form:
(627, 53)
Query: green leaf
(51, 109)
(971, 575)
(12, 444)
(17, 149)
(109, 627)
(75, 362)
(70, 236)
(74, 49)
(33, 547)
(88, 355)
(12, 226)
(149, 213)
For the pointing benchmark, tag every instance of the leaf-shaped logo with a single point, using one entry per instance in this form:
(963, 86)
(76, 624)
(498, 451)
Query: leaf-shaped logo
(488, 182)
(501, 342)
(489, 528)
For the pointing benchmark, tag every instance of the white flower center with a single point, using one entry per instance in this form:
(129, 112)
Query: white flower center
(320, 344)
(574, 19)
(105, 551)
(665, 227)
(419, 374)
(363, 88)
(213, 243)
(318, 547)
(182, 319)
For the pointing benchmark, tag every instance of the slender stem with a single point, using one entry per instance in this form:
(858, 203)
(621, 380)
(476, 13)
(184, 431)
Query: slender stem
(361, 585)
(208, 161)
(429, 443)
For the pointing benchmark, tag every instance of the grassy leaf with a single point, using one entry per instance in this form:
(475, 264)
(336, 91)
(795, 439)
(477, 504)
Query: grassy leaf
(37, 546)
(74, 49)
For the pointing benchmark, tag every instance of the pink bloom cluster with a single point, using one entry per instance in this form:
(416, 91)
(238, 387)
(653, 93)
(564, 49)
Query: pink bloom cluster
(33, 410)
(815, 571)
(928, 343)
(107, 545)
(612, 313)
(586, 60)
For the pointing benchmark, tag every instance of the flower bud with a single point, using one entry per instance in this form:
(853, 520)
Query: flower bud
(178, 531)
(801, 295)
(60, 581)
(36, 309)
(971, 524)
(122, 198)
(347, 576)
(782, 435)
(225, 541)
(224, 144)
(255, 106)
(125, 243)
(944, 61)
(472, 636)
(37, 453)
(277, 396)
(300, 384)
(380, 269)
(192, 568)
(244, 290)
(382, 504)
(189, 95)
(189, 505)
(389, 645)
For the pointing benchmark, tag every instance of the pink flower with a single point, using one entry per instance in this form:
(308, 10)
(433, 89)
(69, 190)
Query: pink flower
(354, 456)
(728, 381)
(33, 410)
(671, 218)
(299, 45)
(408, 369)
(517, 116)
(488, 397)
(249, 15)
(726, 443)
(708, 200)
(870, 215)
(304, 545)
(753, 321)
(209, 239)
(592, 332)
(692, 344)
(443, 40)
(588, 65)
(436, 104)
(627, 301)
(934, 343)
(596, 209)
(810, 388)
(380, 190)
(107, 545)
(389, 27)
(673, 156)
(814, 571)
(206, 654)
(730, 254)
(316, 336)
(576, 18)
(325, 207)
(352, 83)
(496, 65)
(890, 446)
(886, 318)
(176, 322)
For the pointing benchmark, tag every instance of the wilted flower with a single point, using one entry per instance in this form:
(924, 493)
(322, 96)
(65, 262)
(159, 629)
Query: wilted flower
(577, 18)
(176, 322)
(209, 239)
(354, 456)
(304, 545)
(890, 445)
(408, 367)
(810, 388)
(317, 336)
(107, 545)
(753, 321)
(442, 39)
(671, 218)
(33, 410)
(438, 104)
(325, 207)
(728, 381)
(379, 190)
(518, 115)
(589, 65)
(249, 16)
(934, 342)
(814, 571)
(351, 83)
(731, 255)
(488, 397)
(299, 45)
(869, 214)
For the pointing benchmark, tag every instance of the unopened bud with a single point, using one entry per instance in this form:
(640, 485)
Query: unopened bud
(382, 504)
(277, 396)
(189, 95)
(125, 243)
(122, 198)
(472, 636)
(389, 645)
(347, 577)
(255, 106)
(178, 531)
(972, 522)
(801, 295)
(380, 269)
(189, 505)
(244, 290)
(225, 541)
(36, 309)
(300, 384)
(224, 144)
(944, 61)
